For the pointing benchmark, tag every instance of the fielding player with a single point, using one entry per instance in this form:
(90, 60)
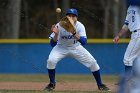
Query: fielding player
(70, 44)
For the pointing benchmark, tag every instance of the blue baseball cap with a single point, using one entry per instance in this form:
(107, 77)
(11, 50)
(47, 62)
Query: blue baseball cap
(72, 11)
(133, 2)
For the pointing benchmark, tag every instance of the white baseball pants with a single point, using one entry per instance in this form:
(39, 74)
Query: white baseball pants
(78, 52)
(133, 49)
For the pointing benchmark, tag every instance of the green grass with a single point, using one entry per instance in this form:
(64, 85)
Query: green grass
(23, 77)
(59, 77)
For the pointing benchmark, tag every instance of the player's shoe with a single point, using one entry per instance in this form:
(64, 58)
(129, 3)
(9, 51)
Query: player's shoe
(50, 87)
(103, 87)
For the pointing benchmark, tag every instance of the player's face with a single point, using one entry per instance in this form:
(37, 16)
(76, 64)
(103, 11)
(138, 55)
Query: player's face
(74, 18)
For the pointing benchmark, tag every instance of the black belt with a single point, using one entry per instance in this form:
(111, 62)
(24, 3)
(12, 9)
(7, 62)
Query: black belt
(135, 31)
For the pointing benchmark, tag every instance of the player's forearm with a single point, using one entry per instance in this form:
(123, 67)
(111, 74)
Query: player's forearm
(55, 38)
(123, 31)
(52, 43)
(76, 36)
(81, 39)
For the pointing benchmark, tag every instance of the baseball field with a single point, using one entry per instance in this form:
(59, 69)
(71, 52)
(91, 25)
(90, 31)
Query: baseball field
(66, 83)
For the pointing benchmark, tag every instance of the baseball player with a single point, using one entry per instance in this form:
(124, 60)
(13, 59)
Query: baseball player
(132, 24)
(69, 44)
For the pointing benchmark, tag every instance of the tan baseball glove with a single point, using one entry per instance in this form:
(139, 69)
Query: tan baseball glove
(68, 24)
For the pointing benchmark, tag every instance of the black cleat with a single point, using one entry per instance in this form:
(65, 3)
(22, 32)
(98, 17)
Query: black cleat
(103, 87)
(50, 87)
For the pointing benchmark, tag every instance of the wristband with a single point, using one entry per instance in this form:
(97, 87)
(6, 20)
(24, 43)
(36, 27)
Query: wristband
(74, 34)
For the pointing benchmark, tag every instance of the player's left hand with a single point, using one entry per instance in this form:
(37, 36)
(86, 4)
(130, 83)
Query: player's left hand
(54, 29)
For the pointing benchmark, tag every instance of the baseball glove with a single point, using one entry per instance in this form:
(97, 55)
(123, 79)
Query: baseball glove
(68, 24)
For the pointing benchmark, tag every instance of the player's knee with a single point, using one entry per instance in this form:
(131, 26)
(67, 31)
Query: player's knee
(94, 66)
(127, 62)
(51, 64)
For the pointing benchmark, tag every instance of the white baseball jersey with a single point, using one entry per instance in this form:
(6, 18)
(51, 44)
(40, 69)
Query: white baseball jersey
(67, 45)
(133, 49)
(133, 18)
(65, 38)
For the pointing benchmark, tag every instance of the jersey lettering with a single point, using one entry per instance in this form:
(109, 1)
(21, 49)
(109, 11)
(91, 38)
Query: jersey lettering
(133, 18)
(67, 37)
(131, 12)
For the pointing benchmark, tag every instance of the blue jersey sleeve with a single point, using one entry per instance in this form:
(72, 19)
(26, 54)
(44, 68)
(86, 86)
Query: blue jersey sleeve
(52, 42)
(83, 40)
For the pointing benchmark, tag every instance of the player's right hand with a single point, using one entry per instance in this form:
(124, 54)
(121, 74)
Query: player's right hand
(116, 39)
(54, 29)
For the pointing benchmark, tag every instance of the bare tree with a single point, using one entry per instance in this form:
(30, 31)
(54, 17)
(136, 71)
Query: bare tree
(66, 4)
(106, 4)
(56, 5)
(116, 16)
(26, 16)
(13, 19)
